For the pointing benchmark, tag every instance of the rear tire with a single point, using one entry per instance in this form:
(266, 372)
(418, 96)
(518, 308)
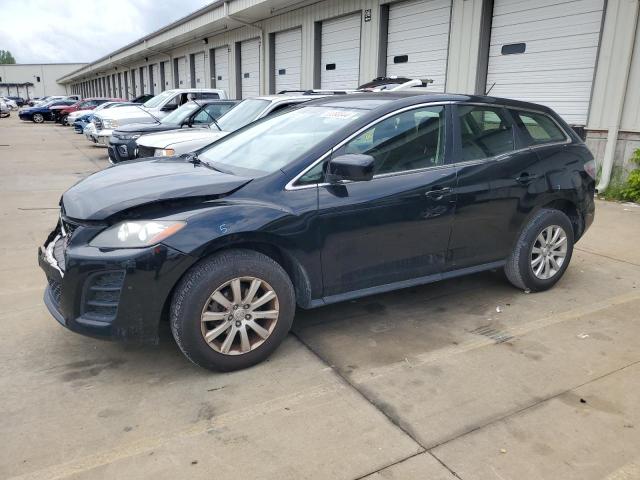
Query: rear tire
(542, 253)
(63, 120)
(241, 332)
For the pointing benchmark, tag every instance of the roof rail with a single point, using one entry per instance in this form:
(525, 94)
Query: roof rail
(315, 92)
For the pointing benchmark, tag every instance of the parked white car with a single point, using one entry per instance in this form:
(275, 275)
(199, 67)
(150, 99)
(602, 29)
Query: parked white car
(9, 103)
(177, 142)
(4, 109)
(73, 116)
(150, 111)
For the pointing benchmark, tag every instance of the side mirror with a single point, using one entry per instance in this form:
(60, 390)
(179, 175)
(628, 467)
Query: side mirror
(353, 167)
(169, 107)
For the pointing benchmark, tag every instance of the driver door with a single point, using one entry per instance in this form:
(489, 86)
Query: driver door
(396, 226)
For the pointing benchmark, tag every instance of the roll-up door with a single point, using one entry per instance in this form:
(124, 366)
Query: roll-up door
(182, 73)
(250, 68)
(418, 40)
(545, 52)
(154, 79)
(167, 76)
(288, 60)
(340, 53)
(220, 72)
(198, 70)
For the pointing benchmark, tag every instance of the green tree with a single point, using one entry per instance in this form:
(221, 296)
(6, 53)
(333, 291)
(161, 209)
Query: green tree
(6, 57)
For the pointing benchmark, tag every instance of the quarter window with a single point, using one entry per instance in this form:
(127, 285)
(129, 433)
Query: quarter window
(408, 141)
(537, 128)
(484, 132)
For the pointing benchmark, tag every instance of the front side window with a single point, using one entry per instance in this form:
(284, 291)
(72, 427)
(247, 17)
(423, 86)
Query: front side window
(537, 128)
(411, 140)
(274, 142)
(484, 132)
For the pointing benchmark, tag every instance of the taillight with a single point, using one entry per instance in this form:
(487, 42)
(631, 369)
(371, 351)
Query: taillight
(590, 168)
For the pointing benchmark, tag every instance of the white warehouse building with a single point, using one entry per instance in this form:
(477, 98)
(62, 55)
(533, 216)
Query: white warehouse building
(580, 57)
(28, 80)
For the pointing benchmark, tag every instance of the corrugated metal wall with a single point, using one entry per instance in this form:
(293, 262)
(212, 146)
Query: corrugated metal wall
(466, 64)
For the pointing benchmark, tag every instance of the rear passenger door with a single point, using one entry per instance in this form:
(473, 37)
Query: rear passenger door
(492, 185)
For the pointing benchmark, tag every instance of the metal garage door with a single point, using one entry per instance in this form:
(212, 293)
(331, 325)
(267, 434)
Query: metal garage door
(546, 53)
(167, 76)
(182, 73)
(250, 67)
(198, 69)
(288, 60)
(144, 80)
(221, 68)
(340, 53)
(154, 78)
(418, 40)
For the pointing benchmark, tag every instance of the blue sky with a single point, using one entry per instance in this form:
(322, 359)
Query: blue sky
(44, 31)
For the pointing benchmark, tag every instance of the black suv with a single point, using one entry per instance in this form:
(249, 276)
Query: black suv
(342, 197)
(122, 143)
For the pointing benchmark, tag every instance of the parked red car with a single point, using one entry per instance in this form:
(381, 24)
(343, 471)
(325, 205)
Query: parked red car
(60, 113)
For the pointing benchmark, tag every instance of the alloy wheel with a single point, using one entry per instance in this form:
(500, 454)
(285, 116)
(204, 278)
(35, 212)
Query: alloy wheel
(548, 252)
(38, 118)
(239, 315)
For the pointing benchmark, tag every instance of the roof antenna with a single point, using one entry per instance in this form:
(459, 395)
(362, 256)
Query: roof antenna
(490, 88)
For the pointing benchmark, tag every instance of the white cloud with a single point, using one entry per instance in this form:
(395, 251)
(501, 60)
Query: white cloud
(42, 31)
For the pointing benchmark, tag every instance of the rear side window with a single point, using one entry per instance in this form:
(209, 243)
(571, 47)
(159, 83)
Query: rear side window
(484, 132)
(537, 128)
(209, 96)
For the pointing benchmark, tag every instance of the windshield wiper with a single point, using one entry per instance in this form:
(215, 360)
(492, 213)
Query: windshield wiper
(208, 114)
(147, 112)
(195, 159)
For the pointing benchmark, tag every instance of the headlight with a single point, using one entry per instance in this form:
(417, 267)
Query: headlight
(164, 152)
(130, 137)
(110, 124)
(136, 234)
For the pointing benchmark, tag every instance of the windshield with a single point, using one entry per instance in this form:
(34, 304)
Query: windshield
(159, 99)
(242, 114)
(179, 115)
(277, 141)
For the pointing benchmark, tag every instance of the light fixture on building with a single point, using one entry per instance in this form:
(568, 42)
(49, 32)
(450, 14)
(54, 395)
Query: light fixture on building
(205, 41)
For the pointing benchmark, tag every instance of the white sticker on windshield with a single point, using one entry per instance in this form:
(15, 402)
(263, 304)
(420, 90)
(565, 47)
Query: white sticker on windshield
(339, 114)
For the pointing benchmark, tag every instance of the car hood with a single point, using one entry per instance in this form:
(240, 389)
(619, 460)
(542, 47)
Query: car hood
(79, 113)
(126, 112)
(164, 139)
(136, 183)
(143, 128)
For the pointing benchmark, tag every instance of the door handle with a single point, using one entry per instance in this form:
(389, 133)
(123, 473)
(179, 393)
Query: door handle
(437, 193)
(525, 177)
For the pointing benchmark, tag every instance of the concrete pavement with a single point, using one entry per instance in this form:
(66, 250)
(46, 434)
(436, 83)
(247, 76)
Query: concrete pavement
(466, 379)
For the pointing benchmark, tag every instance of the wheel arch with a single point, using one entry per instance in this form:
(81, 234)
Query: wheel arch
(294, 269)
(570, 209)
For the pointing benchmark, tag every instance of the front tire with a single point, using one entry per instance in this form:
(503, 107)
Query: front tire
(64, 120)
(542, 253)
(38, 118)
(232, 310)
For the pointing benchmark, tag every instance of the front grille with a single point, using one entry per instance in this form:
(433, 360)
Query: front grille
(102, 295)
(144, 152)
(55, 289)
